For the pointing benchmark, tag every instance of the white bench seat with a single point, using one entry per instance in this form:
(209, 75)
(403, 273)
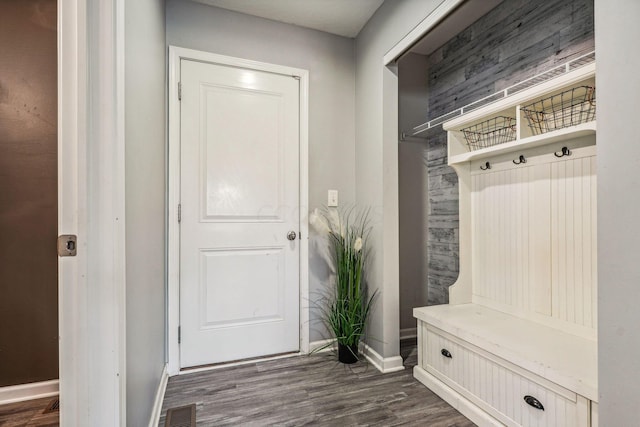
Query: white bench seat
(564, 359)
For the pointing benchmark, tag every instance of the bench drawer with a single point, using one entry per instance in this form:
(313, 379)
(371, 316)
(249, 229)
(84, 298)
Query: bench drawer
(511, 394)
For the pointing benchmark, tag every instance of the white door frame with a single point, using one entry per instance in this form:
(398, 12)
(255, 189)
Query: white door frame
(91, 205)
(173, 184)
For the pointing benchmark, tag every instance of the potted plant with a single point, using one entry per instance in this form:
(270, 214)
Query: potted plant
(346, 307)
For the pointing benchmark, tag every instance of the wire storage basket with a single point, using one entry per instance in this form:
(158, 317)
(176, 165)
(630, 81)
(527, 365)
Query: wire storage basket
(494, 131)
(569, 108)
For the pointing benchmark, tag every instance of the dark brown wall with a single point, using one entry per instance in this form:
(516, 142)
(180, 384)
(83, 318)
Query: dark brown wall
(28, 192)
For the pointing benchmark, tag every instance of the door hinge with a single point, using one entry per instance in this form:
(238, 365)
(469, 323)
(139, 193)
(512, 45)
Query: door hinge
(179, 213)
(179, 91)
(179, 335)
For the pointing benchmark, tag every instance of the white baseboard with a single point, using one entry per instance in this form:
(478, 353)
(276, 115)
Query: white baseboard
(382, 364)
(322, 344)
(455, 399)
(22, 392)
(157, 403)
(408, 333)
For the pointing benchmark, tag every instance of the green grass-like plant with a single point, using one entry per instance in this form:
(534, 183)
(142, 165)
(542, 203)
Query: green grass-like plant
(346, 309)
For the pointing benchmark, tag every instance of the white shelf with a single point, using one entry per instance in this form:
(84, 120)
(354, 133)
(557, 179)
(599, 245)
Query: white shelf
(458, 150)
(567, 80)
(583, 129)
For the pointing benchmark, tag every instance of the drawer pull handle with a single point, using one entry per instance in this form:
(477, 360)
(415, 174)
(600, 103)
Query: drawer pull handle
(445, 353)
(534, 402)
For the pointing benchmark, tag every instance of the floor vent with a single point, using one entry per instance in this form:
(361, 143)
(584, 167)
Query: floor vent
(53, 406)
(184, 416)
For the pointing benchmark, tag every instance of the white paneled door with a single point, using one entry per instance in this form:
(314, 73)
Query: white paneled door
(239, 195)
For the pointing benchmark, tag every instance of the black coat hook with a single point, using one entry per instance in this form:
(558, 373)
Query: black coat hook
(565, 152)
(521, 160)
(486, 166)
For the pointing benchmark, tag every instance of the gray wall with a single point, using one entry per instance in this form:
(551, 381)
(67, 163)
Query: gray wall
(330, 61)
(377, 157)
(412, 196)
(145, 203)
(514, 41)
(617, 35)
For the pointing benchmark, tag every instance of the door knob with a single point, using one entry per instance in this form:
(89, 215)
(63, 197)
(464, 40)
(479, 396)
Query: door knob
(292, 235)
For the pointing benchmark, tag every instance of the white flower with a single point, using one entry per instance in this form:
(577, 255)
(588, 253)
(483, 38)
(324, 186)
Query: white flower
(357, 246)
(318, 222)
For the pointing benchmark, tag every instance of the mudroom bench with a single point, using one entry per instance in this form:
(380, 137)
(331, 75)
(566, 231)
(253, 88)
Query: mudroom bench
(516, 345)
(518, 371)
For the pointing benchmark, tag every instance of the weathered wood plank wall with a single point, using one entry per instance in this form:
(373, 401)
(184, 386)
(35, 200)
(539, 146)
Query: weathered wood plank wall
(514, 41)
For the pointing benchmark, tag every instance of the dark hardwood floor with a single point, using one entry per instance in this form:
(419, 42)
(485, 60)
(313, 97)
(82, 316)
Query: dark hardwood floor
(311, 390)
(28, 414)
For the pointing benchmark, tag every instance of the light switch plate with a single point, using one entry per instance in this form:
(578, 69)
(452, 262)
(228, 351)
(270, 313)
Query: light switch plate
(332, 198)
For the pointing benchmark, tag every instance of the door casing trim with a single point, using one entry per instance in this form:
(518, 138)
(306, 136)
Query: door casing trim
(176, 54)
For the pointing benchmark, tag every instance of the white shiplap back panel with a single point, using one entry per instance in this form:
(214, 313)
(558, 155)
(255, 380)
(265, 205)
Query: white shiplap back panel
(573, 251)
(534, 238)
(509, 234)
(540, 241)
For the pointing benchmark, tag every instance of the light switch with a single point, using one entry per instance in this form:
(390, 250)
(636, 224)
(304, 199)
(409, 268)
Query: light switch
(332, 198)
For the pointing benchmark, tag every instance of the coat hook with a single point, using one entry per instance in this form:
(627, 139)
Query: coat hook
(486, 166)
(521, 160)
(565, 152)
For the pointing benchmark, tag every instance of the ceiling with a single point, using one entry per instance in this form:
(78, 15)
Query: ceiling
(342, 17)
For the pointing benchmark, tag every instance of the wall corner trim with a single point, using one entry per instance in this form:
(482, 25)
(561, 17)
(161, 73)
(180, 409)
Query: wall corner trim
(22, 392)
(382, 364)
(156, 411)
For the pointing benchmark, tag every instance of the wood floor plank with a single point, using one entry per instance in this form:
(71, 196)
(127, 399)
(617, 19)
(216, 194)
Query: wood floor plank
(311, 390)
(28, 414)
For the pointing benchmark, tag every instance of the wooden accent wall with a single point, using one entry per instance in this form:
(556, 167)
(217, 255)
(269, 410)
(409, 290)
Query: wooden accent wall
(28, 192)
(514, 41)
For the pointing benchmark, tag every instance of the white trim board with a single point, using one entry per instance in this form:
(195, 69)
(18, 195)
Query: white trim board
(382, 364)
(22, 392)
(455, 399)
(72, 196)
(173, 191)
(156, 411)
(91, 205)
(314, 346)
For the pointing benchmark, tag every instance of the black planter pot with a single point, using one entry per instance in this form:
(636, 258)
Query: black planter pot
(347, 354)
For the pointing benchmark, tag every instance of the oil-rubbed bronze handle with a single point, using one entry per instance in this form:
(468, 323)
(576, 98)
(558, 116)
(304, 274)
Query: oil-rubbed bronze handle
(534, 402)
(446, 353)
